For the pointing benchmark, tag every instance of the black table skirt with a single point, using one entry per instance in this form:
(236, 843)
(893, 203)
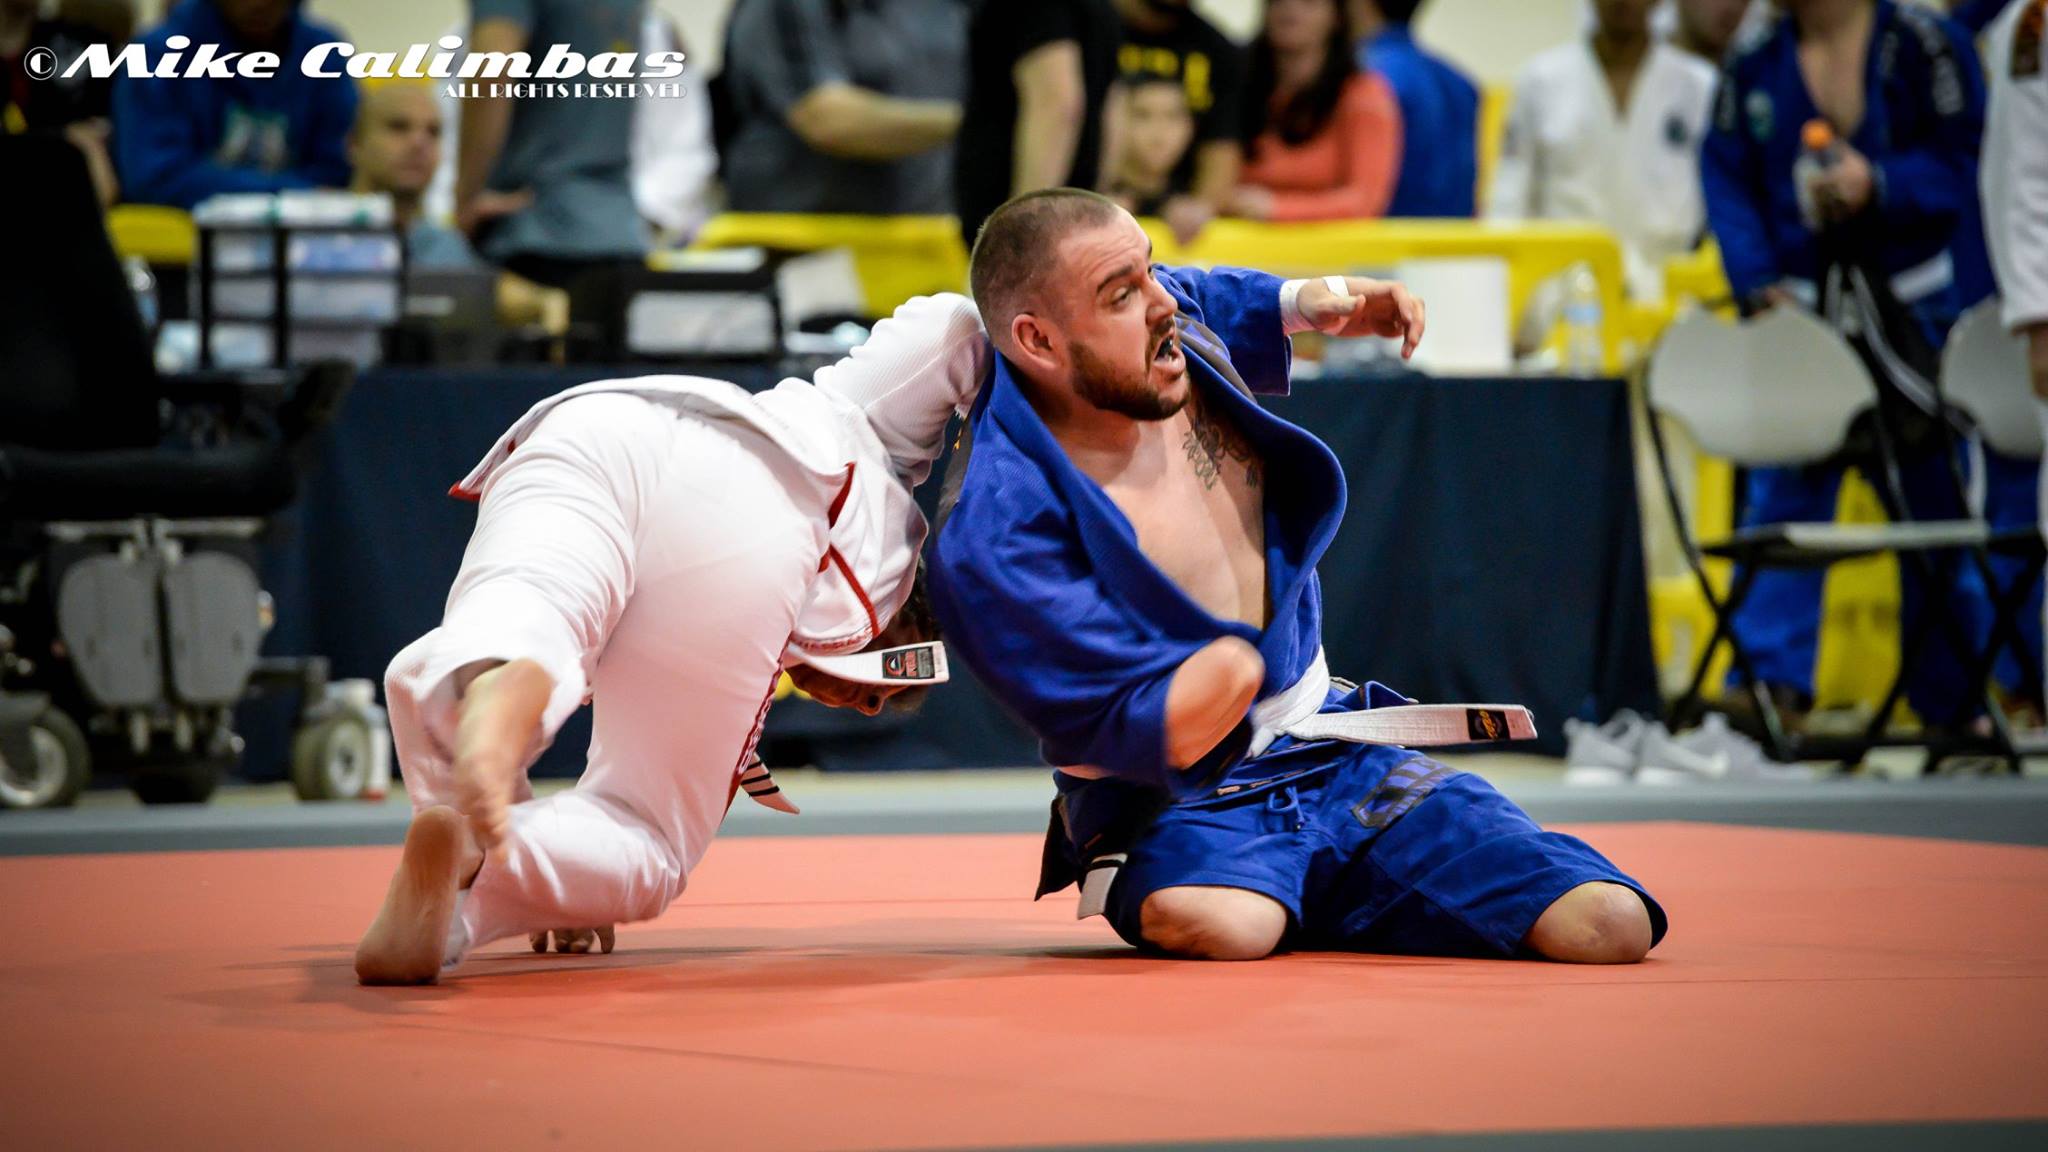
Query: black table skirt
(1491, 552)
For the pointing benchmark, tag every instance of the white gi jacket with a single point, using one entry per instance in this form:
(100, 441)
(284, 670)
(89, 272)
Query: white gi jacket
(868, 428)
(2014, 174)
(1569, 154)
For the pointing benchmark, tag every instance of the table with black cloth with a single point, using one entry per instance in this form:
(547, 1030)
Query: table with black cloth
(1491, 552)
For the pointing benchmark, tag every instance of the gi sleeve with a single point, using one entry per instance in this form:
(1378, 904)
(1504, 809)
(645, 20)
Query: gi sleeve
(1243, 308)
(1925, 183)
(1731, 182)
(921, 365)
(1020, 602)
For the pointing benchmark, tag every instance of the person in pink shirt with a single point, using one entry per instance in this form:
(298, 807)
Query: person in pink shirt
(1325, 138)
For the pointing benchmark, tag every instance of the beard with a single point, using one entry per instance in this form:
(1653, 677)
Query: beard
(1113, 389)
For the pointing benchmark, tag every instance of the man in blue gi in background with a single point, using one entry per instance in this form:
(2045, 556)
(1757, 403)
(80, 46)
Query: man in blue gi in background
(1130, 566)
(1903, 92)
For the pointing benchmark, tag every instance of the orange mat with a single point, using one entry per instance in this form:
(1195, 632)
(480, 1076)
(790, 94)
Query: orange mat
(852, 992)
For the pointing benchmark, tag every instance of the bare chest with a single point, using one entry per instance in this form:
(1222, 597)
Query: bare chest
(1200, 515)
(1833, 71)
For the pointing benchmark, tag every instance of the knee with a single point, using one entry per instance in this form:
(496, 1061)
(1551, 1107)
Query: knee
(1594, 923)
(1202, 923)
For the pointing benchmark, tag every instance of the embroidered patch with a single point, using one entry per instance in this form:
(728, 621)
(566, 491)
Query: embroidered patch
(909, 664)
(1405, 786)
(1763, 115)
(1486, 723)
(1676, 133)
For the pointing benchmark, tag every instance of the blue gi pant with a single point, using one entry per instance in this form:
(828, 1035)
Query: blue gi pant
(1370, 849)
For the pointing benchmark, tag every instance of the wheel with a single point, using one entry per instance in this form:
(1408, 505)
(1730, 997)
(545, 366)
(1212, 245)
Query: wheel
(331, 758)
(182, 782)
(61, 766)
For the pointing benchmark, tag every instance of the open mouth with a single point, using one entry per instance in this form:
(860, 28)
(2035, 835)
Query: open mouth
(1168, 354)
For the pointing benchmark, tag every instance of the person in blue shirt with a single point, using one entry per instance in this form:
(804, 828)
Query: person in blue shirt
(1439, 113)
(1129, 564)
(178, 141)
(1904, 94)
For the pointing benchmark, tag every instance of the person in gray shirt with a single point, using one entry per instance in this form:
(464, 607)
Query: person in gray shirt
(844, 105)
(543, 185)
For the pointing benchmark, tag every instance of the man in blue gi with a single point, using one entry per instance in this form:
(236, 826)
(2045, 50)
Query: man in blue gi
(1130, 566)
(1904, 93)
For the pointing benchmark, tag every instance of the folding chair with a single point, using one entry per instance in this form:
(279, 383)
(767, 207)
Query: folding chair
(1783, 390)
(1984, 373)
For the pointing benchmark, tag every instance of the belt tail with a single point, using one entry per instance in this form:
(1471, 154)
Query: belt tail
(1421, 725)
(758, 784)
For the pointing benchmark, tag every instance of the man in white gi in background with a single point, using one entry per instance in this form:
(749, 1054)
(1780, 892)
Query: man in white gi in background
(1607, 129)
(2014, 182)
(664, 548)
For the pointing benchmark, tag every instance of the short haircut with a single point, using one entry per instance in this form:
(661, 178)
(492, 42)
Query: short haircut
(1013, 253)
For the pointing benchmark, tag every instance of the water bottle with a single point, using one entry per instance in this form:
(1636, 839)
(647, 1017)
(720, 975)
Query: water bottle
(1818, 150)
(143, 285)
(1585, 349)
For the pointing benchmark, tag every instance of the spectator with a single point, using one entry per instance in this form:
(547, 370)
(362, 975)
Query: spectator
(1167, 38)
(1904, 91)
(1439, 171)
(1608, 129)
(2015, 198)
(844, 105)
(1707, 28)
(1038, 77)
(112, 21)
(1325, 138)
(1155, 131)
(673, 159)
(74, 107)
(395, 148)
(179, 141)
(543, 184)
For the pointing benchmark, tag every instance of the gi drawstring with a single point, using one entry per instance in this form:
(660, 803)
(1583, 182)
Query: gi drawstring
(1285, 801)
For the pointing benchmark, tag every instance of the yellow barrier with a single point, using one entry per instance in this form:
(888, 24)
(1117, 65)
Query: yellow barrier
(896, 257)
(1534, 252)
(157, 234)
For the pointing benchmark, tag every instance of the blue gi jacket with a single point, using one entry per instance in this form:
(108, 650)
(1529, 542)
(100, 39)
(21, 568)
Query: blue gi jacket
(1439, 126)
(1922, 127)
(1042, 590)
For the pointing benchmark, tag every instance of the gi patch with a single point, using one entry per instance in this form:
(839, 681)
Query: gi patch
(1763, 115)
(1486, 723)
(2026, 41)
(909, 664)
(1676, 133)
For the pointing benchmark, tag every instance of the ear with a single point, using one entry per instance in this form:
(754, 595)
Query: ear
(1036, 345)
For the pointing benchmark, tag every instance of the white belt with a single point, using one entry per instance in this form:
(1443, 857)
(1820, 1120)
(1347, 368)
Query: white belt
(1297, 712)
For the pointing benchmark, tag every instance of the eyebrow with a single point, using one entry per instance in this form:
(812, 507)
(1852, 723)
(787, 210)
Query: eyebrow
(1122, 271)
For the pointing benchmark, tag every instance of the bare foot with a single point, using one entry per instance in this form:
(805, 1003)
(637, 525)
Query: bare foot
(404, 943)
(499, 721)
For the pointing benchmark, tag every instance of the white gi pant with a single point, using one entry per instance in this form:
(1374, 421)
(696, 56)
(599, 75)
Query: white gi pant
(656, 560)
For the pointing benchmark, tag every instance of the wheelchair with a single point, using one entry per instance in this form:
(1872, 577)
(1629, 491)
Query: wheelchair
(131, 506)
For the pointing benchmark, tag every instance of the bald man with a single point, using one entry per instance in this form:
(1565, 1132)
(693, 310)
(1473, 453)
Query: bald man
(394, 148)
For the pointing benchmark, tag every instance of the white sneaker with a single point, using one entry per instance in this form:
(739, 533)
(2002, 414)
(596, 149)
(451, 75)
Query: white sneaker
(1713, 751)
(1605, 753)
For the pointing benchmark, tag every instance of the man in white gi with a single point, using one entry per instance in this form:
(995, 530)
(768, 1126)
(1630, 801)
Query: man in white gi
(1607, 129)
(663, 548)
(2014, 181)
